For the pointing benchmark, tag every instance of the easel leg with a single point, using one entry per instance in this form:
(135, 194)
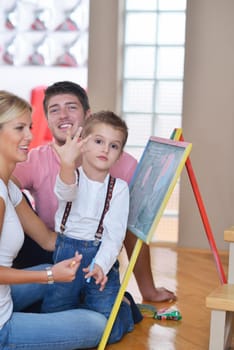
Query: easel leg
(177, 135)
(120, 295)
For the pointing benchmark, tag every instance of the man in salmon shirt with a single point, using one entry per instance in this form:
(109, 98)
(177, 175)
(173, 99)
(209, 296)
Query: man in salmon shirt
(66, 105)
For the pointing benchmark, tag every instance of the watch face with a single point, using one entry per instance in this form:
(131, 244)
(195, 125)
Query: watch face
(49, 275)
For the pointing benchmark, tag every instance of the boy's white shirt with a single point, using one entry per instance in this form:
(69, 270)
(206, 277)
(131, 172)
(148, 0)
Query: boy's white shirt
(88, 199)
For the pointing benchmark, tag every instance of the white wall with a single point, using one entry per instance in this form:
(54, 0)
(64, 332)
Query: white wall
(208, 120)
(104, 54)
(21, 80)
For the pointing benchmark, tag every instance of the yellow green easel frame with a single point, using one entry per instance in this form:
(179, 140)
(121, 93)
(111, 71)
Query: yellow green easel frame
(154, 142)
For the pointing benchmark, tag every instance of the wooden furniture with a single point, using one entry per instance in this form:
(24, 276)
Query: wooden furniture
(221, 303)
(229, 237)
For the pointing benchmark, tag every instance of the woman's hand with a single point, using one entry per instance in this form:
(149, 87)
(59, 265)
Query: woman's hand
(65, 271)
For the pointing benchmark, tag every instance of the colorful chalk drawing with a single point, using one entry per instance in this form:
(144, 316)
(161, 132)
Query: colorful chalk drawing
(153, 183)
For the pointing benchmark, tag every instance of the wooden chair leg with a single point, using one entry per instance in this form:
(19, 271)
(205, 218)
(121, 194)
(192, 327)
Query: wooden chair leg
(231, 264)
(220, 330)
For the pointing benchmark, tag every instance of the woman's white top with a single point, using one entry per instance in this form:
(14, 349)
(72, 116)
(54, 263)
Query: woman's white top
(11, 240)
(88, 199)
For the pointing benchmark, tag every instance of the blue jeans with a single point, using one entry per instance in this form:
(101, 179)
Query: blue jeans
(64, 296)
(67, 330)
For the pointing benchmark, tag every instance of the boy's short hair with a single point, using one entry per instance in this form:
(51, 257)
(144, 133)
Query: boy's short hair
(66, 87)
(105, 117)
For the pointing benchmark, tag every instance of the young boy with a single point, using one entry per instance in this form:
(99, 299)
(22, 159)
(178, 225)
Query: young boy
(92, 219)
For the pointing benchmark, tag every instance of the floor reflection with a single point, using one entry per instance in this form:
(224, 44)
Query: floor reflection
(162, 337)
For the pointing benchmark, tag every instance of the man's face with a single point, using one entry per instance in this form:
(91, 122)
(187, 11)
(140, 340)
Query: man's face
(64, 111)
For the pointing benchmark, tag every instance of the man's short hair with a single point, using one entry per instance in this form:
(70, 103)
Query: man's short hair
(66, 87)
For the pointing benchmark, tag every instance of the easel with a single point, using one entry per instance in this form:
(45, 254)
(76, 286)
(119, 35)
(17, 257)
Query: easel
(177, 135)
(120, 295)
(138, 246)
(220, 301)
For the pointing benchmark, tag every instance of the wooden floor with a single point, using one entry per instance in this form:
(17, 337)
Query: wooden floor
(192, 275)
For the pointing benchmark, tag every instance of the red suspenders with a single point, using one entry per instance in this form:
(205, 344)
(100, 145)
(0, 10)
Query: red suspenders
(98, 234)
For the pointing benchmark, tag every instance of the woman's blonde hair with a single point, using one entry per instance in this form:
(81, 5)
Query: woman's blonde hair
(12, 106)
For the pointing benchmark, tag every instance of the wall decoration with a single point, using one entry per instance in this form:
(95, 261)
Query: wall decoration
(44, 33)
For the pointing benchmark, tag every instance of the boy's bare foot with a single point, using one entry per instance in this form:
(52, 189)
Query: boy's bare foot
(160, 295)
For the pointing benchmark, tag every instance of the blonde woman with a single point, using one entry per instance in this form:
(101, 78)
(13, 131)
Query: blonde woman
(19, 288)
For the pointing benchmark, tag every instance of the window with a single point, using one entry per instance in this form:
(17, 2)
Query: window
(154, 39)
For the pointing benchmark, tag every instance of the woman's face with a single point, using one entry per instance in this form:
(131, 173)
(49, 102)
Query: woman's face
(15, 138)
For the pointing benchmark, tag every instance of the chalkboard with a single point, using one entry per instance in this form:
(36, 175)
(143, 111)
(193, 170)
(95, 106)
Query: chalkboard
(153, 182)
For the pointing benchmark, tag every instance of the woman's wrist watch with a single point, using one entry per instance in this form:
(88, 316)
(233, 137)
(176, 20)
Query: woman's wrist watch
(49, 275)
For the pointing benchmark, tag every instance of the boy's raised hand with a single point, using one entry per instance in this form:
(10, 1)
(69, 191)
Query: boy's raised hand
(71, 151)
